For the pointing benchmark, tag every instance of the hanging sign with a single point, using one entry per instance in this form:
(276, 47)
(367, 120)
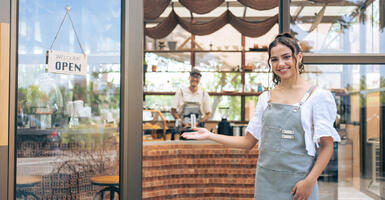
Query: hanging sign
(67, 63)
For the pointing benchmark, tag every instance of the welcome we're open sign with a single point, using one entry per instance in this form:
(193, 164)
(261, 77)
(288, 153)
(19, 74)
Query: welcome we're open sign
(67, 63)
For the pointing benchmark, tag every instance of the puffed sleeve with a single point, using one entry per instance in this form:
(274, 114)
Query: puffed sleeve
(206, 102)
(177, 99)
(324, 115)
(255, 124)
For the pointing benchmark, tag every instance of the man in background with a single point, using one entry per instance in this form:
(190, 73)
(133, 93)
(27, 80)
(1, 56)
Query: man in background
(190, 101)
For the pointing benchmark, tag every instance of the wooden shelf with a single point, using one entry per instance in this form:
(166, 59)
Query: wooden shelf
(257, 72)
(210, 93)
(189, 71)
(204, 51)
(338, 91)
(261, 72)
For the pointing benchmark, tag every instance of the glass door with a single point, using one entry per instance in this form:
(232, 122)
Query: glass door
(67, 127)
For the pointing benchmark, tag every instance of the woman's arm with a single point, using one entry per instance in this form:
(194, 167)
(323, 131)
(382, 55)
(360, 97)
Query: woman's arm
(325, 153)
(303, 189)
(244, 142)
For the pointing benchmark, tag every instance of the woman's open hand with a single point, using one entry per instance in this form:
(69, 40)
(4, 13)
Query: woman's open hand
(199, 134)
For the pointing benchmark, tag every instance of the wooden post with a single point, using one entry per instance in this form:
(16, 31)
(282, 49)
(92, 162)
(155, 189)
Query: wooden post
(243, 63)
(4, 105)
(192, 51)
(4, 83)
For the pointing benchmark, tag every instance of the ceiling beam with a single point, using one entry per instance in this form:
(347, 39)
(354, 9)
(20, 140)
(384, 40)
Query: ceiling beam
(236, 4)
(304, 19)
(344, 58)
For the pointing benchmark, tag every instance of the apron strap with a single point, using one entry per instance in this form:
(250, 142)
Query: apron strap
(307, 95)
(269, 94)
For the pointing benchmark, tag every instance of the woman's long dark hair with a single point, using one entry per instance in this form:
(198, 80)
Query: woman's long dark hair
(288, 40)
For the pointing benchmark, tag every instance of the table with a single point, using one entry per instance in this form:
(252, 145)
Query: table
(23, 182)
(111, 184)
(375, 146)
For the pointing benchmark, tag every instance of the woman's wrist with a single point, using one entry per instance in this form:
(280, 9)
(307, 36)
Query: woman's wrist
(311, 180)
(210, 137)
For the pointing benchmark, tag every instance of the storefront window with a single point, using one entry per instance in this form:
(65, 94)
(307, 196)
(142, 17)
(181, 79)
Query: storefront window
(355, 166)
(167, 62)
(356, 163)
(338, 27)
(166, 81)
(263, 41)
(67, 136)
(226, 107)
(235, 71)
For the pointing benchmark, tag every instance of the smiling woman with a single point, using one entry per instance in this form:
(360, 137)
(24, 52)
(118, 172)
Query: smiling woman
(282, 126)
(286, 55)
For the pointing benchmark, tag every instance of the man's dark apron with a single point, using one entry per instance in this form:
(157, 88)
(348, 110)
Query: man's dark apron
(189, 107)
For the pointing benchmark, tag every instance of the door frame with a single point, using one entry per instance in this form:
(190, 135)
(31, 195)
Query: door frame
(131, 106)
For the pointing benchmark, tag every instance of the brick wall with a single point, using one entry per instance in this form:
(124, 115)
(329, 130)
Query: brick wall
(198, 171)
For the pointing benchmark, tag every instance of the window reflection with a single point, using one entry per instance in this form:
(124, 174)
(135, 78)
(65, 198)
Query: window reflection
(357, 90)
(339, 26)
(67, 133)
(356, 162)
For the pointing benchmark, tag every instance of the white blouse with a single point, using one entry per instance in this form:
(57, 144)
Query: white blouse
(318, 114)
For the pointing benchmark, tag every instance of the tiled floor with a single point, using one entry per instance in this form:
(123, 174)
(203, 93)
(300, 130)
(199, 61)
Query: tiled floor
(350, 193)
(328, 191)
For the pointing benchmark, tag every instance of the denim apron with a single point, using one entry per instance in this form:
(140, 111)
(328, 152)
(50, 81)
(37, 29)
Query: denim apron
(190, 107)
(283, 160)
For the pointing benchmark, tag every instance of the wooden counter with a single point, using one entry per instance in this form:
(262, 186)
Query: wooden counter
(197, 170)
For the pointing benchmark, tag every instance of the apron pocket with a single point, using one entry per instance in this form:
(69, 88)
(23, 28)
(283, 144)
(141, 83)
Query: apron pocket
(271, 184)
(289, 143)
(271, 138)
(292, 143)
